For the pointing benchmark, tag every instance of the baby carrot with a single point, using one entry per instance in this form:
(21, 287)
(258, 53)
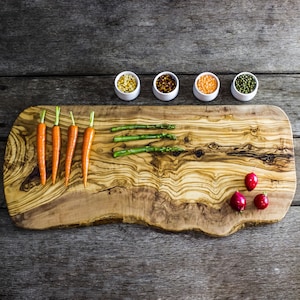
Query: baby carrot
(56, 142)
(88, 138)
(41, 147)
(72, 139)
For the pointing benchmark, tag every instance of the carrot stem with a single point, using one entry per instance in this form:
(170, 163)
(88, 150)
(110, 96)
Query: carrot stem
(88, 138)
(92, 116)
(42, 116)
(57, 112)
(72, 139)
(72, 118)
(41, 147)
(56, 145)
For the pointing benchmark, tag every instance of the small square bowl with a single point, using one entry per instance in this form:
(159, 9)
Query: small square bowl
(246, 89)
(127, 85)
(206, 91)
(162, 81)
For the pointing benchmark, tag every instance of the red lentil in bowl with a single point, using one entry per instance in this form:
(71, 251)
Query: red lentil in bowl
(206, 86)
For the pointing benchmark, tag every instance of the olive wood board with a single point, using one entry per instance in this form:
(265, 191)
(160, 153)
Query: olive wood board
(171, 191)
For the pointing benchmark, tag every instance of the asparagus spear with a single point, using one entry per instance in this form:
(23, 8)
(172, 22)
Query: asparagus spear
(142, 126)
(125, 152)
(127, 138)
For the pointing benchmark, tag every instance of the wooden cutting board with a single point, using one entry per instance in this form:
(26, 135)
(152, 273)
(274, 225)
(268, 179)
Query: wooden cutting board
(176, 192)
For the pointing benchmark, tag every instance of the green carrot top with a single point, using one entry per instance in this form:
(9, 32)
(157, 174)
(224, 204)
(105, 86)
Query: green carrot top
(92, 116)
(57, 112)
(42, 116)
(72, 118)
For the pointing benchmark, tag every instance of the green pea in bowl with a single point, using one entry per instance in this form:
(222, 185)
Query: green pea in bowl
(244, 86)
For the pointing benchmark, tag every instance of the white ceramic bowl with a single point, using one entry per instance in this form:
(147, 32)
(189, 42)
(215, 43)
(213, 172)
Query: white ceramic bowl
(165, 96)
(201, 95)
(243, 96)
(127, 96)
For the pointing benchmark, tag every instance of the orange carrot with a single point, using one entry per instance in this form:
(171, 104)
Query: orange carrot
(88, 138)
(41, 147)
(56, 142)
(72, 139)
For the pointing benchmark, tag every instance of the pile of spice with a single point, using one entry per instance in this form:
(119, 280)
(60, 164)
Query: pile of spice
(245, 83)
(165, 83)
(207, 84)
(127, 83)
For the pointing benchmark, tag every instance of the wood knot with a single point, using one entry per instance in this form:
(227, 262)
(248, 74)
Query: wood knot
(186, 139)
(254, 130)
(176, 153)
(213, 146)
(199, 152)
(31, 180)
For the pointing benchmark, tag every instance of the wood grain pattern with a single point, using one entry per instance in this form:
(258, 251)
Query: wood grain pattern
(173, 192)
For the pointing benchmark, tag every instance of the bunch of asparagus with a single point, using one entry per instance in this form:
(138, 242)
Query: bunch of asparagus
(127, 138)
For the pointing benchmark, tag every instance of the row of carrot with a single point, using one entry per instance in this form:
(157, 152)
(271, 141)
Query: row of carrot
(88, 138)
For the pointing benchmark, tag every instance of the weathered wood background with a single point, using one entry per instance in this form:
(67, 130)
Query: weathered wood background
(68, 53)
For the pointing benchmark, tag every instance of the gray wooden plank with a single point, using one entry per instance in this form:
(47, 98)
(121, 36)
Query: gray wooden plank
(126, 261)
(46, 37)
(17, 93)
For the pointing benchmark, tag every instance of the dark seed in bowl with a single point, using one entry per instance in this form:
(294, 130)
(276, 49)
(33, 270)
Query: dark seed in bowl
(165, 83)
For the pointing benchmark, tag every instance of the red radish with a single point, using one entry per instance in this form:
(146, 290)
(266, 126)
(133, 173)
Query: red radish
(261, 201)
(238, 201)
(251, 181)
